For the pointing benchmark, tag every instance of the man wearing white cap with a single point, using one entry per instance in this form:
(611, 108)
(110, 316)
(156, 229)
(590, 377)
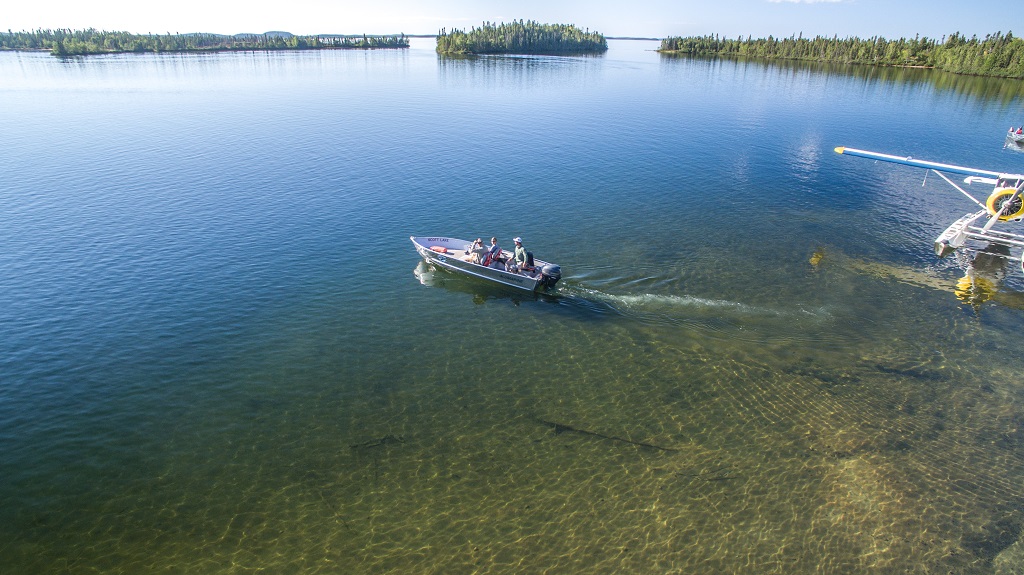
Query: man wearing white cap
(519, 258)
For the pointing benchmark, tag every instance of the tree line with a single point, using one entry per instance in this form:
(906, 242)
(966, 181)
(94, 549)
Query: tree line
(66, 42)
(996, 55)
(520, 37)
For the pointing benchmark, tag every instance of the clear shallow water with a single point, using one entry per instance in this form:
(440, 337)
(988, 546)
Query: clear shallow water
(219, 353)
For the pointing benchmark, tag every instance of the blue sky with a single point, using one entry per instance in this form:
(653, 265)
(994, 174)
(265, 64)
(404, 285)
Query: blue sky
(649, 18)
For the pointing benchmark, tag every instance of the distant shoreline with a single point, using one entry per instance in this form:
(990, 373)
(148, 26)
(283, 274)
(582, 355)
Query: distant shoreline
(996, 56)
(63, 43)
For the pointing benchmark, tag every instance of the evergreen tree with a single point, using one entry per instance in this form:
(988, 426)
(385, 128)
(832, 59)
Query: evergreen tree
(997, 55)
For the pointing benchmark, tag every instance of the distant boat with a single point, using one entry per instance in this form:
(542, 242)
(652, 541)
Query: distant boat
(454, 254)
(1015, 136)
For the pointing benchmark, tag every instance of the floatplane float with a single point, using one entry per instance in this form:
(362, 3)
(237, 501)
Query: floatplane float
(974, 234)
(453, 254)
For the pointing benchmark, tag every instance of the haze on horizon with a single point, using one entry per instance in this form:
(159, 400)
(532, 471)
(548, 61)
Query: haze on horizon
(643, 18)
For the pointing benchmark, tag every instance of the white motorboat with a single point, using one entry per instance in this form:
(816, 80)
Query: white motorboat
(455, 255)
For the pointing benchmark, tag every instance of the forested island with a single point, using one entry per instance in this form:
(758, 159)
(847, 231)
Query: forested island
(520, 37)
(996, 55)
(91, 41)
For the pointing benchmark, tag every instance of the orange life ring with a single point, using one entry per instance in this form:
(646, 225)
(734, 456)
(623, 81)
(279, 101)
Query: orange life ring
(439, 249)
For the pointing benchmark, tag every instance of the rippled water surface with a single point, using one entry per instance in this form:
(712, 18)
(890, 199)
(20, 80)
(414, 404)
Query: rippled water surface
(219, 352)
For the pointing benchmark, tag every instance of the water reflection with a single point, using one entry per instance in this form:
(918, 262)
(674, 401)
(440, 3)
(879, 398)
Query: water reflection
(198, 72)
(504, 71)
(987, 279)
(993, 90)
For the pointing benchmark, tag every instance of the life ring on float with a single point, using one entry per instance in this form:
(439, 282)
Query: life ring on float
(997, 201)
(439, 249)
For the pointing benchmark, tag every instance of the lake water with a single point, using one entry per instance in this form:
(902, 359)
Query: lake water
(219, 352)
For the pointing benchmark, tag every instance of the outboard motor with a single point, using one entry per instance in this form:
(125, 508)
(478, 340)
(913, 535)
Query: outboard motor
(549, 275)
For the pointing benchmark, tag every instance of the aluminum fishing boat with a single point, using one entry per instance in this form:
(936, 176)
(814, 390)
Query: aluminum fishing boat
(456, 255)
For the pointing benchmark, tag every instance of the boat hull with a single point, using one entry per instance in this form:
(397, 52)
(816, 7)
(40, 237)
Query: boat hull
(451, 258)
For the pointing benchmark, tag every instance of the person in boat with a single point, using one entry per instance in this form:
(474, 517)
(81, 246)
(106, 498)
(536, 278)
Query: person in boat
(476, 252)
(493, 253)
(521, 260)
(1020, 130)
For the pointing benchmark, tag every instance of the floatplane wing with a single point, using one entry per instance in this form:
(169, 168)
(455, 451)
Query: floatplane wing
(1004, 203)
(910, 161)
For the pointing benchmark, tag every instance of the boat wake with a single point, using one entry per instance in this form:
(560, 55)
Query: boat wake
(704, 314)
(647, 301)
(719, 317)
(699, 305)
